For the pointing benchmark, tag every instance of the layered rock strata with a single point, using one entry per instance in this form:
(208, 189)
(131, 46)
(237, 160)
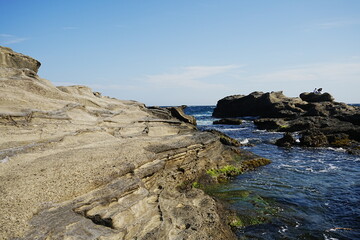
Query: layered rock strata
(77, 165)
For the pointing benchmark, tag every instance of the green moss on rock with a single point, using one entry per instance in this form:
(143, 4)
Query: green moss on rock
(228, 170)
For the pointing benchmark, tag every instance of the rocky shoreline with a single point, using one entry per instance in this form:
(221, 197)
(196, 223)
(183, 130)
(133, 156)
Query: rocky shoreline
(320, 121)
(78, 165)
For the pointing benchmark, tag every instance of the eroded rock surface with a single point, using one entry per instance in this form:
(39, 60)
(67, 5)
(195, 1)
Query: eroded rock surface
(77, 165)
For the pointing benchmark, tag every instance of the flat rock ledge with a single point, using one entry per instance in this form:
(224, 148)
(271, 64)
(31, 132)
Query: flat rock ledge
(77, 165)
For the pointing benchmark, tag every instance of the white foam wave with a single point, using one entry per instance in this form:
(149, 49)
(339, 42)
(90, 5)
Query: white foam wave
(204, 122)
(261, 131)
(233, 129)
(285, 166)
(330, 168)
(283, 229)
(245, 141)
(329, 238)
(201, 115)
(336, 149)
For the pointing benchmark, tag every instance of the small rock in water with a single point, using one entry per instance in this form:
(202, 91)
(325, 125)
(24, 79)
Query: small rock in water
(286, 141)
(228, 121)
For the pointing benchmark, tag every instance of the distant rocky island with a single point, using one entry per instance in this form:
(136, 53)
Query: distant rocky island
(321, 121)
(78, 165)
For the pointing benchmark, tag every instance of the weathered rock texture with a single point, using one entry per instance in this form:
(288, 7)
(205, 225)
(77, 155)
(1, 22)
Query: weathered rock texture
(76, 165)
(321, 120)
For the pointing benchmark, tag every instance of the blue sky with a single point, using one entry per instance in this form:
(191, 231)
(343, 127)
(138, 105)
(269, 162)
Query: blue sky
(190, 52)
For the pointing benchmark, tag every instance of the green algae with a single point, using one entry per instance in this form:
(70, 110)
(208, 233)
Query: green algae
(228, 170)
(196, 185)
(232, 170)
(249, 207)
(236, 222)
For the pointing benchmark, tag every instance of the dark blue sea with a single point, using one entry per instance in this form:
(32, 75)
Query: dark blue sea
(305, 193)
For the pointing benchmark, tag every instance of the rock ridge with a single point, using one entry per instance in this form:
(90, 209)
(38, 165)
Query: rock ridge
(78, 165)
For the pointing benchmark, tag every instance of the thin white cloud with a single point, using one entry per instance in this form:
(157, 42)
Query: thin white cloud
(7, 39)
(334, 24)
(329, 72)
(6, 35)
(192, 77)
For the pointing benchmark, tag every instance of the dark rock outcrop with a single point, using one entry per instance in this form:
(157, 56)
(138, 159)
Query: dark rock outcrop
(228, 121)
(259, 104)
(316, 97)
(316, 116)
(313, 138)
(286, 141)
(270, 123)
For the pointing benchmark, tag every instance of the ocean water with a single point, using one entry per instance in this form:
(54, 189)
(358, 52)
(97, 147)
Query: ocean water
(305, 193)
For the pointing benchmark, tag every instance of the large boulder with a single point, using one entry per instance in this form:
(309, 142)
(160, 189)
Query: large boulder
(315, 97)
(313, 138)
(259, 104)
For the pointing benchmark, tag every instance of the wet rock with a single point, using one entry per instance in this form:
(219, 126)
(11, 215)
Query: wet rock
(311, 111)
(272, 124)
(228, 121)
(313, 138)
(225, 139)
(286, 141)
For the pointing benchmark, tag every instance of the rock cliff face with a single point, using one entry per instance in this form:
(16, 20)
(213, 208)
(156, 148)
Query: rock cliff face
(76, 165)
(320, 120)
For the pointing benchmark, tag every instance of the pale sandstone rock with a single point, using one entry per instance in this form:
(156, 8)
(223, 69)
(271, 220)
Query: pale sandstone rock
(11, 59)
(76, 165)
